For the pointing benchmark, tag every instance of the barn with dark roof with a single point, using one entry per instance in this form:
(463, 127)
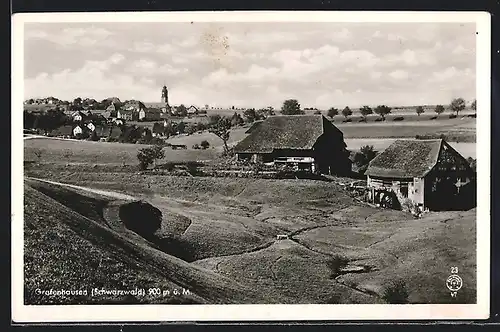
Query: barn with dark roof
(309, 142)
(428, 173)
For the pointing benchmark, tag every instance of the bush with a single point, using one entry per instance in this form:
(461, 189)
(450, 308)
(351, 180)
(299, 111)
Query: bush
(335, 264)
(141, 217)
(204, 144)
(398, 118)
(149, 155)
(365, 155)
(396, 292)
(196, 146)
(379, 119)
(433, 118)
(452, 116)
(347, 120)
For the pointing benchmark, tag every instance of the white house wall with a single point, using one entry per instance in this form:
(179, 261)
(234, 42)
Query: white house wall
(416, 191)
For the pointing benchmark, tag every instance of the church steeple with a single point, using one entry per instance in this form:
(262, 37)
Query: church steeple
(164, 95)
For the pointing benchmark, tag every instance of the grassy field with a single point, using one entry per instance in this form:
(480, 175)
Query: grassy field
(66, 151)
(218, 235)
(225, 232)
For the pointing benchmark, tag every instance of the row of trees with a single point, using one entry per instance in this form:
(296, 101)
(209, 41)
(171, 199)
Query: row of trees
(292, 107)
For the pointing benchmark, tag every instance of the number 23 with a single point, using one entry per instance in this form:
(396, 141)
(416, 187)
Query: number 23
(454, 269)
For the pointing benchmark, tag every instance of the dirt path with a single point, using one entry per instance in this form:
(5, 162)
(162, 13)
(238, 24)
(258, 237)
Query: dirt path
(106, 193)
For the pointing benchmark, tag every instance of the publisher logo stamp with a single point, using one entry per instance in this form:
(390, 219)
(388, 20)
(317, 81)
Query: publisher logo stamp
(454, 283)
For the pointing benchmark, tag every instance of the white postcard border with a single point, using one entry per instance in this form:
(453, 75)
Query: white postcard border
(297, 312)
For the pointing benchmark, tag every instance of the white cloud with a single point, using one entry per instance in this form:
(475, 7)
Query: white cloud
(396, 37)
(116, 58)
(460, 50)
(305, 61)
(399, 74)
(411, 58)
(452, 74)
(343, 34)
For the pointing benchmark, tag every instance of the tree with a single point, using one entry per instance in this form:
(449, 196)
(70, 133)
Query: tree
(439, 109)
(419, 110)
(28, 120)
(291, 107)
(236, 120)
(473, 105)
(332, 112)
(457, 105)
(204, 144)
(180, 127)
(182, 110)
(365, 111)
(93, 136)
(317, 112)
(77, 101)
(346, 112)
(250, 115)
(213, 119)
(364, 156)
(382, 110)
(222, 129)
(149, 155)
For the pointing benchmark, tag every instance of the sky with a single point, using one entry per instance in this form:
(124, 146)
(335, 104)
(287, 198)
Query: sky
(246, 65)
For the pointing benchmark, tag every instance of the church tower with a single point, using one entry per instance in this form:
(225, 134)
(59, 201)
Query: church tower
(164, 95)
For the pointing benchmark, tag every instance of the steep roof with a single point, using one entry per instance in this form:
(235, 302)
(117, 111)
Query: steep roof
(253, 126)
(125, 111)
(406, 159)
(133, 104)
(283, 132)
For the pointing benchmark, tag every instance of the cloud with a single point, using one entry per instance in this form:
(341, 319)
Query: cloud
(411, 58)
(318, 63)
(399, 74)
(87, 36)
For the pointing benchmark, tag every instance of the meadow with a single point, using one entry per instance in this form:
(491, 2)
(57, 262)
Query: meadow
(218, 237)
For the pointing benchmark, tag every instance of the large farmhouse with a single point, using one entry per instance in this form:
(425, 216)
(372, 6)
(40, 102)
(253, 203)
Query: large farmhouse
(308, 142)
(428, 174)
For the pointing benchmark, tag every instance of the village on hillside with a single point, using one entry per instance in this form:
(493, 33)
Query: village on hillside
(292, 143)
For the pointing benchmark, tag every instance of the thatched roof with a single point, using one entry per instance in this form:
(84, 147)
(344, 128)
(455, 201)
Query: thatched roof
(284, 132)
(406, 159)
(253, 126)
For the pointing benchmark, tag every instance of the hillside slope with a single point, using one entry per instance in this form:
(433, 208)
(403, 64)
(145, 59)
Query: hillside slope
(67, 250)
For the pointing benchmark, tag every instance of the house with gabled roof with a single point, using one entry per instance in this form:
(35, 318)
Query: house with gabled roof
(306, 142)
(128, 115)
(150, 114)
(192, 110)
(78, 116)
(429, 174)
